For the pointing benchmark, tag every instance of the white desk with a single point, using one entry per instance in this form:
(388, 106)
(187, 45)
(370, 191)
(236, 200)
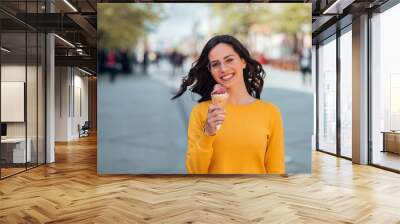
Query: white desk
(19, 149)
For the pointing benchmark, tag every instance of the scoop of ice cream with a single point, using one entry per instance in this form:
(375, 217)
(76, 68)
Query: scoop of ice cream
(219, 95)
(218, 89)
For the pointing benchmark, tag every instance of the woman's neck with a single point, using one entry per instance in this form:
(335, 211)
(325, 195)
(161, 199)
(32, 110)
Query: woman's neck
(239, 96)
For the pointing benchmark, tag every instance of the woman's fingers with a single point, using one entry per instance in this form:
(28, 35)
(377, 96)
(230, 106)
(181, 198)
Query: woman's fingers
(218, 123)
(216, 111)
(216, 116)
(213, 108)
(216, 119)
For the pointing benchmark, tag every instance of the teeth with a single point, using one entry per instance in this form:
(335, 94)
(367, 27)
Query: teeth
(219, 94)
(226, 77)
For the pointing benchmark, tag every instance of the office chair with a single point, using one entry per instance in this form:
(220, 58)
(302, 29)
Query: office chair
(84, 130)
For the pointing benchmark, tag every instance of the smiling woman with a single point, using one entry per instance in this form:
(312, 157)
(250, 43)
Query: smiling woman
(243, 135)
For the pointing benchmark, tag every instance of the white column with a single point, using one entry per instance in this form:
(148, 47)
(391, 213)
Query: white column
(314, 87)
(360, 90)
(50, 92)
(50, 99)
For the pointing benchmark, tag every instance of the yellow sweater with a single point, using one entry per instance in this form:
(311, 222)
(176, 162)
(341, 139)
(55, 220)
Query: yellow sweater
(250, 141)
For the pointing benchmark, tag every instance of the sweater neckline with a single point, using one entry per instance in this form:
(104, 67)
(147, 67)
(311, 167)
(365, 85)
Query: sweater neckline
(243, 105)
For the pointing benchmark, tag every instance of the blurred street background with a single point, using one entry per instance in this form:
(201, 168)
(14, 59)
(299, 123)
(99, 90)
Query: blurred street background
(146, 49)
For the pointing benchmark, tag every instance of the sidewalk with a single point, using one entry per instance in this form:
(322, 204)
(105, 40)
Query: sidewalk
(140, 129)
(288, 80)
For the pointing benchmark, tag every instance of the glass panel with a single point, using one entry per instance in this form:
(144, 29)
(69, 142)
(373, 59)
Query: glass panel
(31, 101)
(346, 94)
(386, 89)
(314, 76)
(13, 87)
(23, 88)
(327, 97)
(41, 99)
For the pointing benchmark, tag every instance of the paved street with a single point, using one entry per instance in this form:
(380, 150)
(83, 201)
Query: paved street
(142, 131)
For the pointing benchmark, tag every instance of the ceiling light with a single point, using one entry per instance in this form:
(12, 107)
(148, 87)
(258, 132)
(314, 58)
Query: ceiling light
(64, 40)
(5, 49)
(84, 71)
(337, 7)
(70, 5)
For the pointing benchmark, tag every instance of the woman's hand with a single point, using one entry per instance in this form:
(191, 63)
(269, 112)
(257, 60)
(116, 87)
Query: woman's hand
(215, 117)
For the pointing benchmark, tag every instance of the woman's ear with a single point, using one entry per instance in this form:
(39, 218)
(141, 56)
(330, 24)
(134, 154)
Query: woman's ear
(243, 63)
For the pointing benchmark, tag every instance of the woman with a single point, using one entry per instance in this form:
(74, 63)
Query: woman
(245, 136)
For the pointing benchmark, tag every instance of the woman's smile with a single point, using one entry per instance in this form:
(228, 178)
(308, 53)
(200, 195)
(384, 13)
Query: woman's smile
(227, 77)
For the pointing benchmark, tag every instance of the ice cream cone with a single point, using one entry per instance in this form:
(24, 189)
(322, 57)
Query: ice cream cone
(219, 96)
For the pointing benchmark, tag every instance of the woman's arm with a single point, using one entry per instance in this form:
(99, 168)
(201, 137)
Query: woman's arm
(200, 148)
(275, 155)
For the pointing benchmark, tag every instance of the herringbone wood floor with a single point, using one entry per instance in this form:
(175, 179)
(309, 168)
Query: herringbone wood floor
(70, 191)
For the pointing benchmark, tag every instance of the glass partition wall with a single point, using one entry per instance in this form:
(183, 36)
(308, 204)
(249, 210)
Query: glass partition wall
(346, 92)
(22, 98)
(385, 89)
(334, 94)
(327, 96)
(13, 110)
(334, 90)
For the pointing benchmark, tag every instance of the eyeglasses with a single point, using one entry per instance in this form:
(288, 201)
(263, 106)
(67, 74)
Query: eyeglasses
(215, 66)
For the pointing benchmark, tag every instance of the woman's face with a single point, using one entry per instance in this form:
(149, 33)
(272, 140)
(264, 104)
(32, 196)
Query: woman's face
(226, 66)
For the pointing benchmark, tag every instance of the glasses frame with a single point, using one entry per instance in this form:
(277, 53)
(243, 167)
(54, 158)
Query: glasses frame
(228, 64)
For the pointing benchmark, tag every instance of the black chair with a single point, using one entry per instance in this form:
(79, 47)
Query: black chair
(84, 130)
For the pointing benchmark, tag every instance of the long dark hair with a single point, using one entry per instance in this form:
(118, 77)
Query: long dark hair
(201, 81)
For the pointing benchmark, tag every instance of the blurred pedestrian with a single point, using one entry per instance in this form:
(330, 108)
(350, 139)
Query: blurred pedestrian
(145, 62)
(305, 65)
(177, 59)
(134, 61)
(262, 59)
(112, 64)
(102, 60)
(125, 62)
(157, 59)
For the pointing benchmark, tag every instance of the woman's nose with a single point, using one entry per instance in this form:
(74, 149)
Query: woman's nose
(223, 67)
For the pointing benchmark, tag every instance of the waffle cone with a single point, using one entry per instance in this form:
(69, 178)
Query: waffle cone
(220, 99)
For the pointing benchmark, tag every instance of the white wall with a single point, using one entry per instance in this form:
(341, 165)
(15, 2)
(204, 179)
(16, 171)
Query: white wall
(62, 81)
(15, 72)
(70, 84)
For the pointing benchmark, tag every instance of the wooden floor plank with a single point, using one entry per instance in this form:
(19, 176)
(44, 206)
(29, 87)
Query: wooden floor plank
(70, 191)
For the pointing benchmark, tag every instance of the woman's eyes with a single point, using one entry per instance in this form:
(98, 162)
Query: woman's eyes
(214, 65)
(229, 60)
(217, 64)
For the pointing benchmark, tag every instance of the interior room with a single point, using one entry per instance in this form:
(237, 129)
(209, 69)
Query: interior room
(49, 72)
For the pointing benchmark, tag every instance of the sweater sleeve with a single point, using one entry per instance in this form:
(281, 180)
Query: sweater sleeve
(275, 153)
(200, 149)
